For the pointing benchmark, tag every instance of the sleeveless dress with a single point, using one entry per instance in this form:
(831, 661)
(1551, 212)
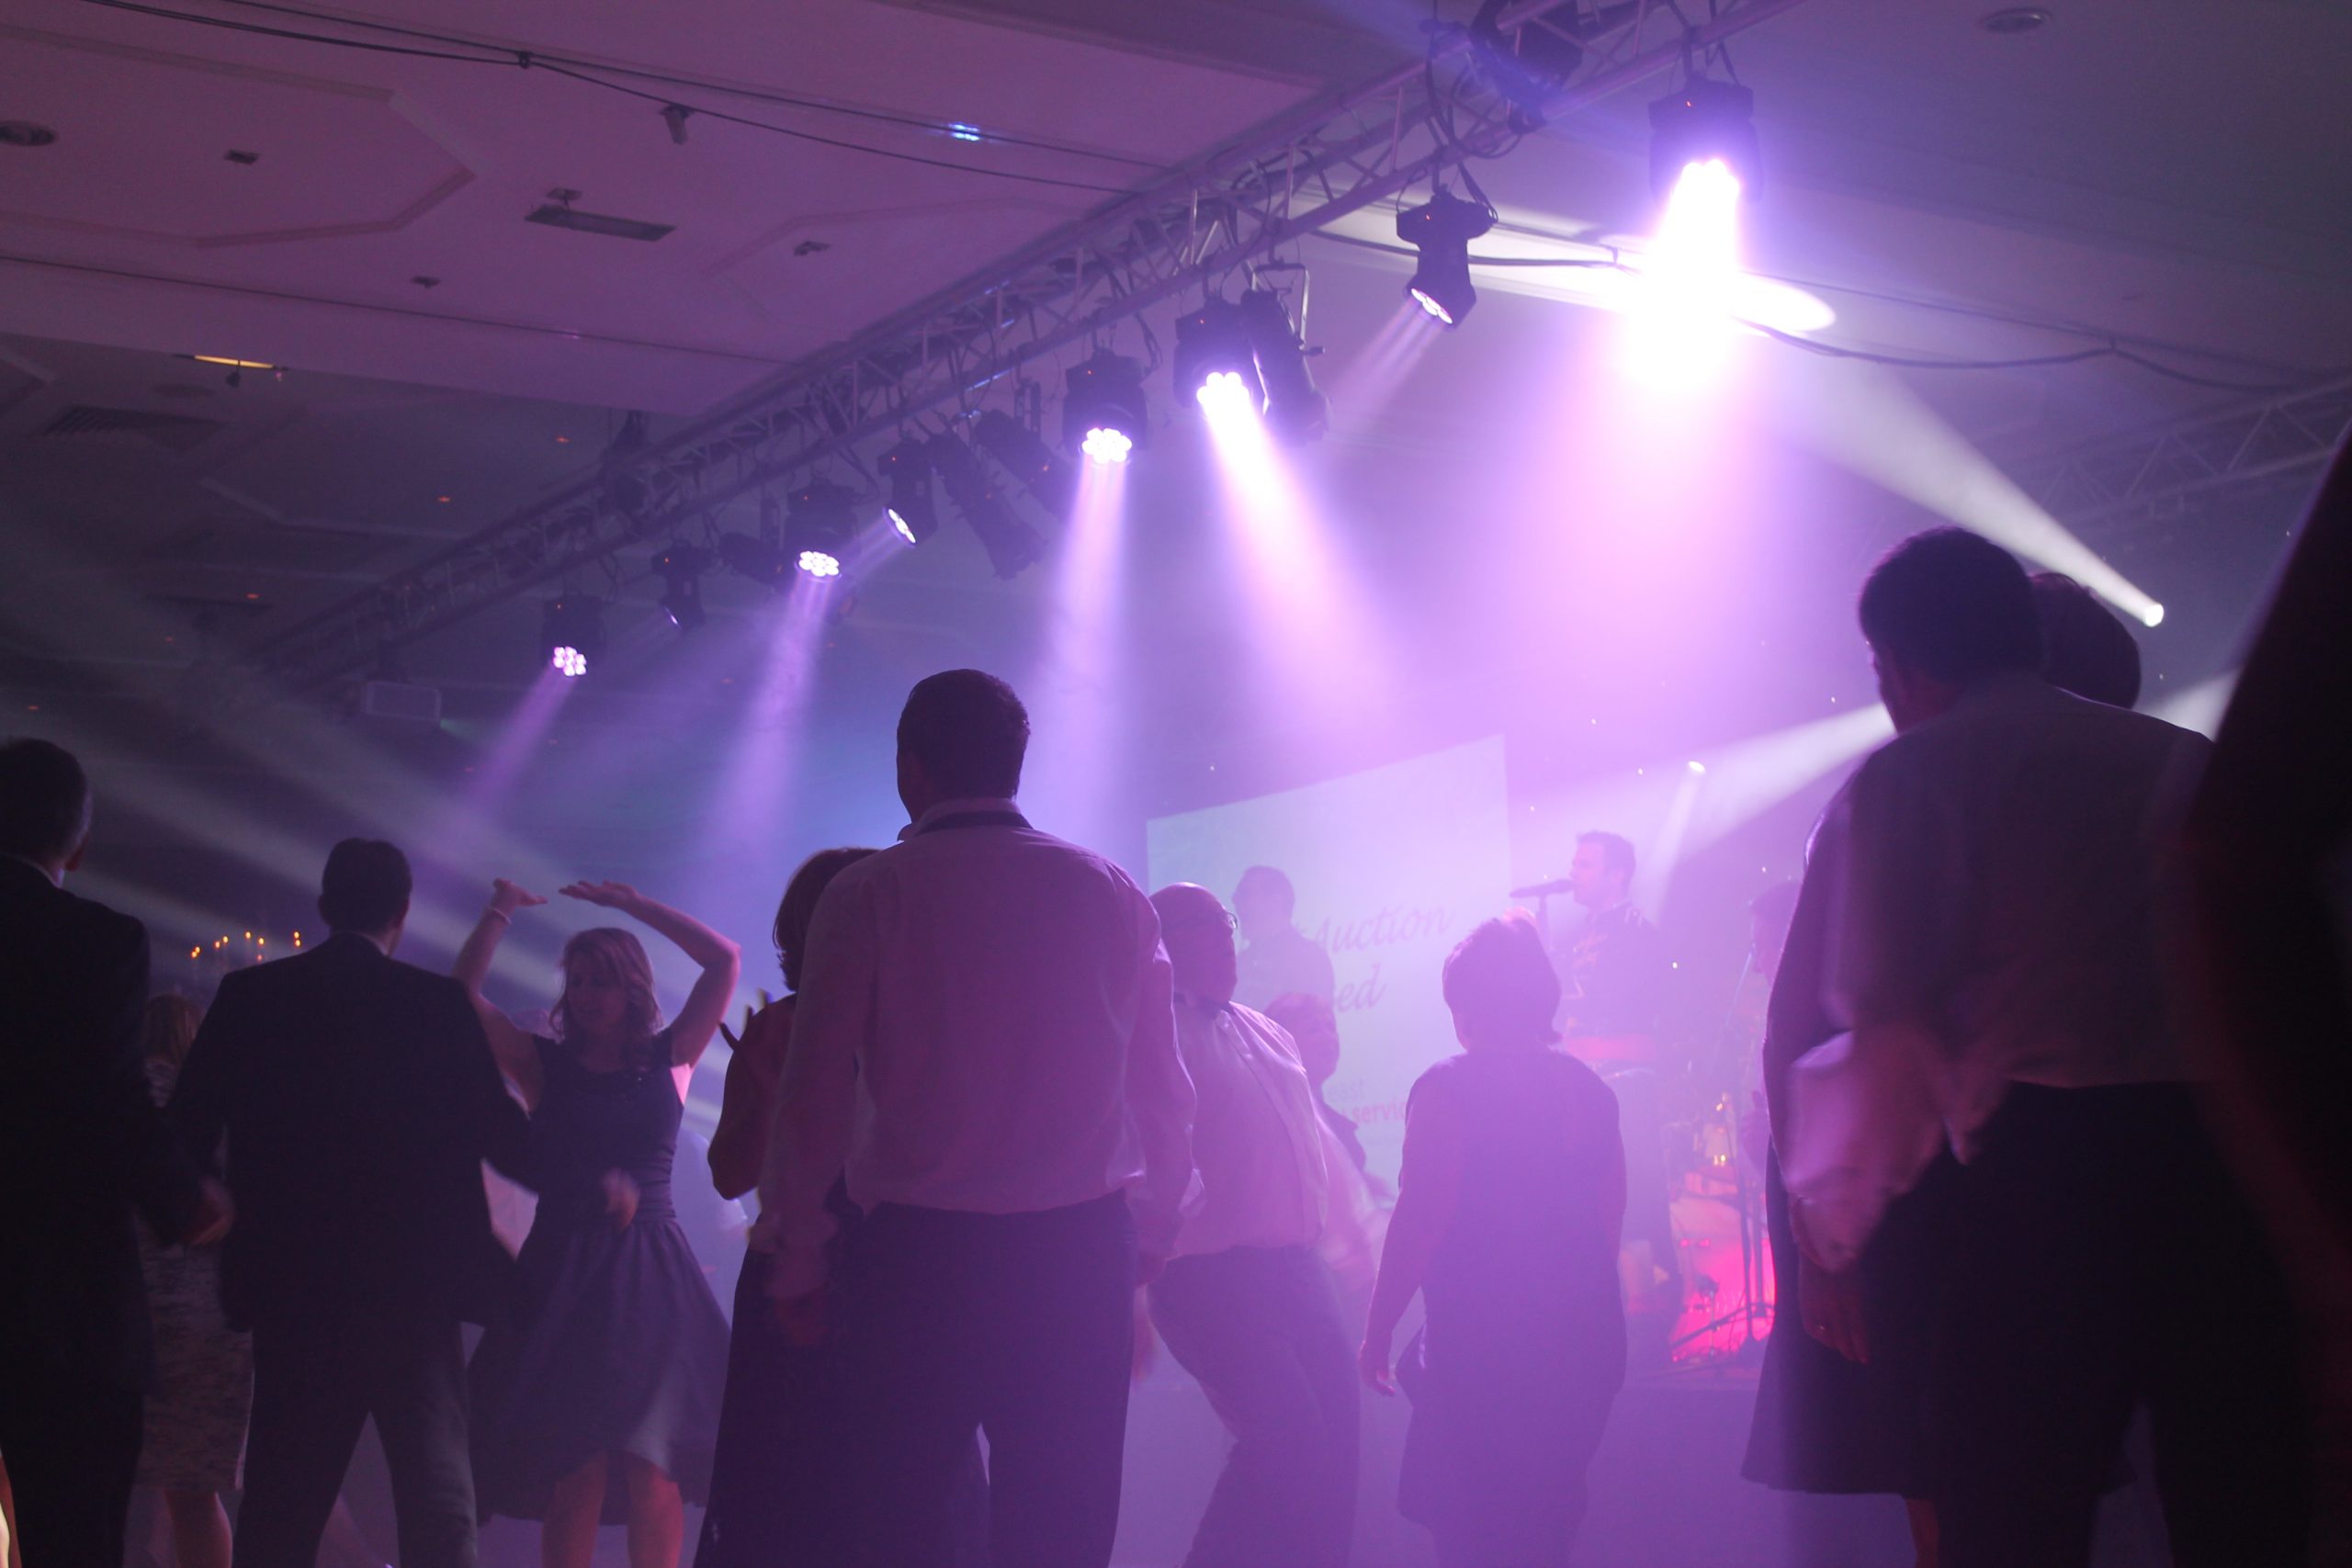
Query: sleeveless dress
(619, 1346)
(204, 1370)
(1523, 1350)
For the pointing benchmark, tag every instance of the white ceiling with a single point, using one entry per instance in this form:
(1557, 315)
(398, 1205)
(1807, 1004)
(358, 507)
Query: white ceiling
(2173, 171)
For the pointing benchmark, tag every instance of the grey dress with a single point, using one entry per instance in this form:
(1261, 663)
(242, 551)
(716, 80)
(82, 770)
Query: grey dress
(204, 1370)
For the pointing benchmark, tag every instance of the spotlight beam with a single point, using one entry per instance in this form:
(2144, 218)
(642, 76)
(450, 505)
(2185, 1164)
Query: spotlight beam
(1864, 418)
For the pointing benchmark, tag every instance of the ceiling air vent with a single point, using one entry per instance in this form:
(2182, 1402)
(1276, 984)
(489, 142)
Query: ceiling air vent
(558, 216)
(178, 432)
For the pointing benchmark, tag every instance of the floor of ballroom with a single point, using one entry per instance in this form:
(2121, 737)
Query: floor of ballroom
(1666, 1486)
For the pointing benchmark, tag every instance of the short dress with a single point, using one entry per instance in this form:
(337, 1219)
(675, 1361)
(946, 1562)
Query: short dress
(619, 1346)
(204, 1370)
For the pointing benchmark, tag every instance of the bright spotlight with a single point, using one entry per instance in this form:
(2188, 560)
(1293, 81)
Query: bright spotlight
(1104, 394)
(1214, 340)
(1103, 444)
(1706, 122)
(572, 632)
(2154, 614)
(1685, 307)
(819, 520)
(1696, 766)
(1226, 394)
(1296, 409)
(1440, 230)
(906, 471)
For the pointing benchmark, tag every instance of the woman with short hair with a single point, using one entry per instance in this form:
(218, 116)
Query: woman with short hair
(1508, 1215)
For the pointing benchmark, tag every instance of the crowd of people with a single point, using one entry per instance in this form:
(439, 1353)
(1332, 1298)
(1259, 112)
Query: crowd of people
(1013, 1113)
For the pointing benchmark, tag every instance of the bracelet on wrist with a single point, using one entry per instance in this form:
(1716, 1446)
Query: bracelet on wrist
(494, 911)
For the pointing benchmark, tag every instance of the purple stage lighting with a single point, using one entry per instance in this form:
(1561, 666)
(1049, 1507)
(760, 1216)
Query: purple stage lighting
(572, 632)
(816, 563)
(1105, 393)
(1686, 310)
(1103, 444)
(1440, 230)
(1211, 342)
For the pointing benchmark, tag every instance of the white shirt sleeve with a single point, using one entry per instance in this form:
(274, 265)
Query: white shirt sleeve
(1160, 1096)
(809, 1140)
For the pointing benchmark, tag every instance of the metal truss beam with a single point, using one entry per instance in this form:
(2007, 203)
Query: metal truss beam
(1209, 218)
(2169, 470)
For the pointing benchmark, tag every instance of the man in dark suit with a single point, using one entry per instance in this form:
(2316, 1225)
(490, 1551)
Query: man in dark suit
(359, 1099)
(80, 1148)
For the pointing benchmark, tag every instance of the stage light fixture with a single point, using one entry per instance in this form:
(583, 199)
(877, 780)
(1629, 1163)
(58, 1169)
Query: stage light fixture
(1706, 121)
(571, 633)
(820, 522)
(681, 568)
(1040, 470)
(1012, 545)
(906, 472)
(1105, 416)
(1441, 228)
(1214, 340)
(749, 555)
(1296, 409)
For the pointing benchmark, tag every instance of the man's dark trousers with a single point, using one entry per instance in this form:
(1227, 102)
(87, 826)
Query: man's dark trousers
(316, 1381)
(1259, 1328)
(2103, 1256)
(1021, 1326)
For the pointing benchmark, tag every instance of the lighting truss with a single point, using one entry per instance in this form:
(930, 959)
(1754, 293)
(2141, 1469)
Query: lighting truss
(1342, 151)
(2116, 485)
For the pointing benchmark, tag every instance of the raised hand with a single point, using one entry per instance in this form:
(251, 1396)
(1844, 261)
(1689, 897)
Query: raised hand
(610, 895)
(735, 1042)
(506, 897)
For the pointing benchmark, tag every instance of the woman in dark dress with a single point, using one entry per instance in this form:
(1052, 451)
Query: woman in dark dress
(599, 1401)
(770, 1504)
(775, 1500)
(1508, 1210)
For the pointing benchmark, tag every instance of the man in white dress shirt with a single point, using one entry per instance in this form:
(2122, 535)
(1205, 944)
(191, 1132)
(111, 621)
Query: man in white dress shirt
(1995, 876)
(1246, 1305)
(984, 1039)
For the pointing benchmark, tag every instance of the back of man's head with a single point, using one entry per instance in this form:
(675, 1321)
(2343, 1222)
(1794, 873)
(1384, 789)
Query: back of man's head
(969, 732)
(1953, 606)
(2087, 649)
(44, 802)
(364, 888)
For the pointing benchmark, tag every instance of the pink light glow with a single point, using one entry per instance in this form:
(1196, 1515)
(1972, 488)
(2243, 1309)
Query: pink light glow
(754, 788)
(816, 563)
(1308, 613)
(568, 662)
(1684, 316)
(1369, 381)
(1077, 688)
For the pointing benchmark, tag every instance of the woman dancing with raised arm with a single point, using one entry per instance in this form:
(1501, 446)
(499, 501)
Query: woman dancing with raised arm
(616, 1358)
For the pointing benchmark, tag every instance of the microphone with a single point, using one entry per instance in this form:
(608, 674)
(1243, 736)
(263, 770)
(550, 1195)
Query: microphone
(1543, 889)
